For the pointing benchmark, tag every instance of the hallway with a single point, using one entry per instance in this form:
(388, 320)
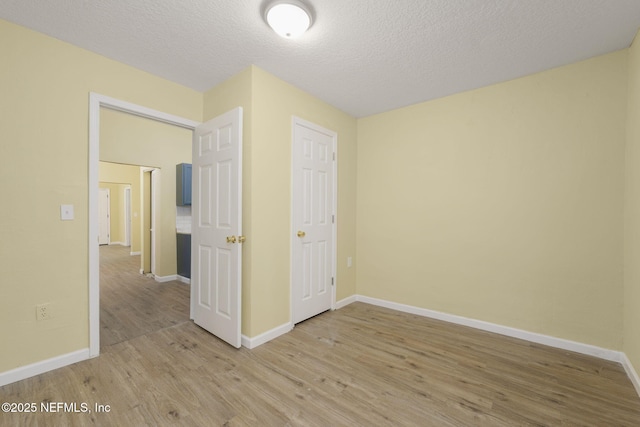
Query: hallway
(132, 304)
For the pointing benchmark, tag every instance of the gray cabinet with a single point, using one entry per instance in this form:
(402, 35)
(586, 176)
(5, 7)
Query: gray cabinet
(184, 255)
(183, 184)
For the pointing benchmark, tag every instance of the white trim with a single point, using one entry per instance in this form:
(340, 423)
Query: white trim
(561, 343)
(334, 229)
(108, 192)
(345, 302)
(164, 279)
(183, 279)
(271, 334)
(141, 111)
(127, 215)
(154, 181)
(631, 372)
(135, 253)
(43, 366)
(95, 102)
(171, 278)
(117, 243)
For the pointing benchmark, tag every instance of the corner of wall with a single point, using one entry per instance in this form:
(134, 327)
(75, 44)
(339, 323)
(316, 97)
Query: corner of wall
(631, 305)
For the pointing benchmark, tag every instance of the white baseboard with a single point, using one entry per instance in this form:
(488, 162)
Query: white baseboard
(163, 279)
(345, 302)
(134, 253)
(117, 243)
(254, 342)
(43, 366)
(172, 277)
(631, 372)
(591, 350)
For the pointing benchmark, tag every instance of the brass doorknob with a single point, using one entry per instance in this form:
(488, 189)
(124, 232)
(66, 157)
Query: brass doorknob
(301, 234)
(231, 239)
(241, 239)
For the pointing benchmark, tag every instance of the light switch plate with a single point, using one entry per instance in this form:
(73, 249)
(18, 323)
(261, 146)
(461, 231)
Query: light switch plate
(66, 212)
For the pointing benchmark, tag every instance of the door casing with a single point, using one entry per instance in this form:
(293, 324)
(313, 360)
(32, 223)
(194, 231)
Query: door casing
(96, 101)
(127, 216)
(105, 217)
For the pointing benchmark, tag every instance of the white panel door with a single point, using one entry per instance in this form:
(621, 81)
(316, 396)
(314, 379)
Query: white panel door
(216, 252)
(313, 247)
(105, 213)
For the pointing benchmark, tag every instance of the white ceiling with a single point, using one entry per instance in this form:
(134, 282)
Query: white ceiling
(361, 56)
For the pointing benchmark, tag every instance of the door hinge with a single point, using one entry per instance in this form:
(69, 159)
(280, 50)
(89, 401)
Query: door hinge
(333, 219)
(334, 156)
(332, 281)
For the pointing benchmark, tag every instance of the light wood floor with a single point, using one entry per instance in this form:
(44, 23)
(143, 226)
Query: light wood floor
(357, 366)
(132, 304)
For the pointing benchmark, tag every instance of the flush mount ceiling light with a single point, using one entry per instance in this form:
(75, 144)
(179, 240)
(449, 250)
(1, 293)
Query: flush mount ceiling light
(289, 19)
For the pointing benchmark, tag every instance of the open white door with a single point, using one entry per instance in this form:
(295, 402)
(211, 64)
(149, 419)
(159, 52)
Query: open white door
(216, 234)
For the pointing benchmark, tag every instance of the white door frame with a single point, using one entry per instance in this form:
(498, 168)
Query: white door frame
(108, 192)
(155, 182)
(127, 216)
(334, 136)
(153, 197)
(95, 102)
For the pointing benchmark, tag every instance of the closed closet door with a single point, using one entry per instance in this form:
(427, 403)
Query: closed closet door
(313, 240)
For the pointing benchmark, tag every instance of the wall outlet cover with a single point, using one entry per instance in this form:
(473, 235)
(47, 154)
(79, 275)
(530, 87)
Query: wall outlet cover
(66, 212)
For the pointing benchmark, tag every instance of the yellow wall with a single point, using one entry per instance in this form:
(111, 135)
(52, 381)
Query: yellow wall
(127, 175)
(632, 214)
(502, 204)
(274, 104)
(44, 111)
(269, 104)
(128, 139)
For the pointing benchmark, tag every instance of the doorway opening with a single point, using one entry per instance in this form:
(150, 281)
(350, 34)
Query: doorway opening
(98, 102)
(117, 182)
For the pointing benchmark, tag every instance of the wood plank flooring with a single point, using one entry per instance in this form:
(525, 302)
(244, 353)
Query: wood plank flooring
(132, 304)
(358, 366)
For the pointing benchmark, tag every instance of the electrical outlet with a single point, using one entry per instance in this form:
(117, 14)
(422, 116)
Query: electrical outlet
(43, 312)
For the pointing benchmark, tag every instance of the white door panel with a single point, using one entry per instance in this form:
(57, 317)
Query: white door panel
(216, 226)
(313, 247)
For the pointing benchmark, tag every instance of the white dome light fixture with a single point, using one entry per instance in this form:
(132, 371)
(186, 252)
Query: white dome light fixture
(289, 19)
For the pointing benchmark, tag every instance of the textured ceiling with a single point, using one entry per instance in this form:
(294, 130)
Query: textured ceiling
(362, 56)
